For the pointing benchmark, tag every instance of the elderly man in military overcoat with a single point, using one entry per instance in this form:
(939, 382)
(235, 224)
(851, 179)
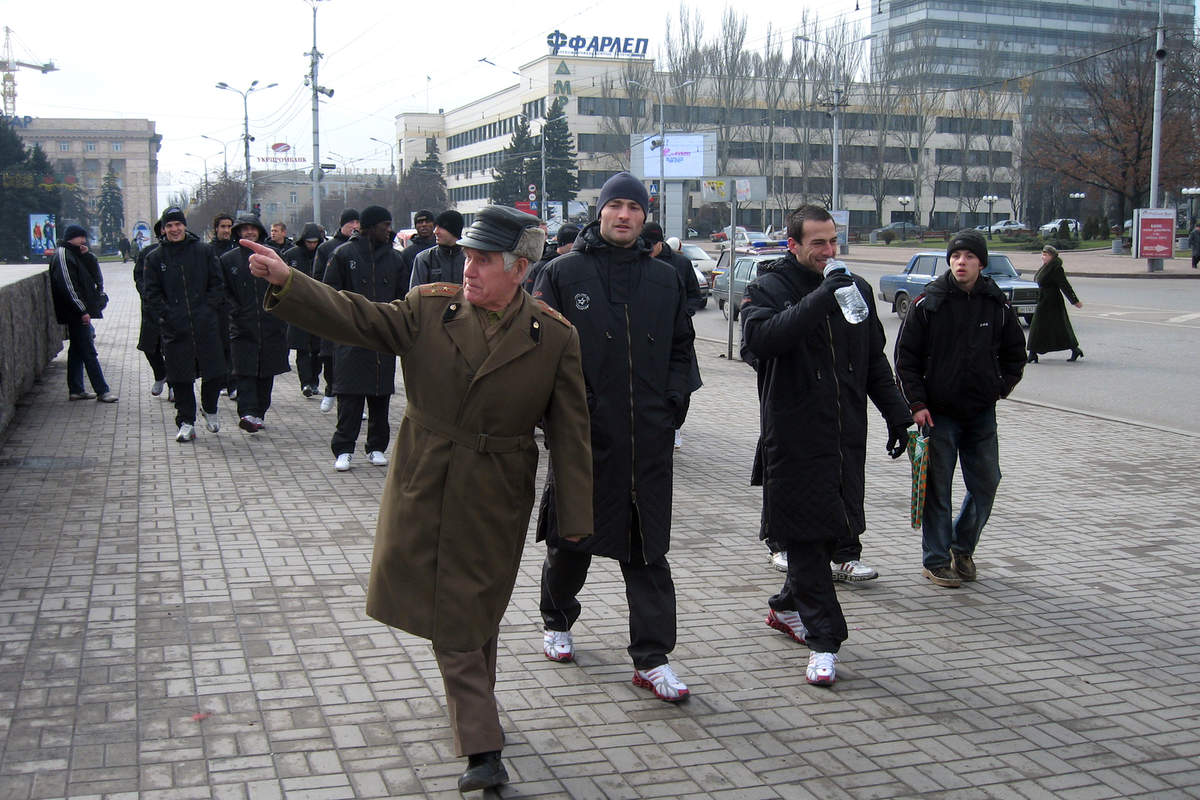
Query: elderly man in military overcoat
(483, 363)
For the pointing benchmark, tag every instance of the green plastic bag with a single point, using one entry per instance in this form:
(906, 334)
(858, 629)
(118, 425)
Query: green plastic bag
(918, 454)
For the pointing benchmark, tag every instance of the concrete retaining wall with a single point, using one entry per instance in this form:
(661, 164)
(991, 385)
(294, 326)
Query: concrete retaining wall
(29, 336)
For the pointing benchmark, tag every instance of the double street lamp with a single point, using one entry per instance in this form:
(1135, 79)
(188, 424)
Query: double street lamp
(392, 150)
(991, 200)
(1190, 193)
(224, 152)
(1078, 198)
(662, 144)
(203, 160)
(253, 87)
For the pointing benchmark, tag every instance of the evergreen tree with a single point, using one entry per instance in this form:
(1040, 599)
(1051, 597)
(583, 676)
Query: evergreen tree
(562, 178)
(112, 211)
(24, 190)
(520, 165)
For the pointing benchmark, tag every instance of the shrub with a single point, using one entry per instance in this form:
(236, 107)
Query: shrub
(1091, 228)
(888, 237)
(1064, 230)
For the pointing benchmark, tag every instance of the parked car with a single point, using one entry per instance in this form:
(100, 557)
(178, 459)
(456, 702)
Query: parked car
(703, 263)
(1051, 228)
(1008, 226)
(900, 290)
(903, 229)
(745, 269)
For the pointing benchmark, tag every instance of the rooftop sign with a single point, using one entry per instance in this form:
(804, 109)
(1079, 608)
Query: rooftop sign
(597, 45)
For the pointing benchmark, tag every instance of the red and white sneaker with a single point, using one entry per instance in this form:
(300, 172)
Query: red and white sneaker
(822, 669)
(788, 622)
(663, 682)
(558, 646)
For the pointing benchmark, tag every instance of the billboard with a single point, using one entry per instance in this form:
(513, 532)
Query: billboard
(41, 234)
(1154, 233)
(684, 156)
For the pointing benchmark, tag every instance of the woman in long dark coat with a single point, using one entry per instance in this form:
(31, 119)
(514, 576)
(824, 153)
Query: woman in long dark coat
(1051, 328)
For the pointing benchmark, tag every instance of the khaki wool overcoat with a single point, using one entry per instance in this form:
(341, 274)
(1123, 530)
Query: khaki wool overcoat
(459, 492)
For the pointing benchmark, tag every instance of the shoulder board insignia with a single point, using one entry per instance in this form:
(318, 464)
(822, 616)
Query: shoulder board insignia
(552, 313)
(439, 289)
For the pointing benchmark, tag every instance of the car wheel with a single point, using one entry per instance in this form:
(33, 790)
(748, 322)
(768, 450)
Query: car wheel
(721, 305)
(900, 304)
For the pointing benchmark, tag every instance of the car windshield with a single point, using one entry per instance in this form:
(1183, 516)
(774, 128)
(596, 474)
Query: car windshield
(999, 267)
(695, 253)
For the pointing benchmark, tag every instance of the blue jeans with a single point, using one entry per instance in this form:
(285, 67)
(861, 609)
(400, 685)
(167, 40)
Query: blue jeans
(81, 355)
(972, 442)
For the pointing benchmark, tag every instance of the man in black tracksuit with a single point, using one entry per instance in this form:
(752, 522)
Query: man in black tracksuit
(307, 346)
(77, 288)
(637, 344)
(258, 340)
(183, 290)
(443, 263)
(960, 350)
(817, 366)
(347, 227)
(367, 265)
(222, 242)
(424, 222)
(149, 336)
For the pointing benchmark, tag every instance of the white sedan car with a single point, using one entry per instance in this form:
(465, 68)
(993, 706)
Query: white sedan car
(1009, 226)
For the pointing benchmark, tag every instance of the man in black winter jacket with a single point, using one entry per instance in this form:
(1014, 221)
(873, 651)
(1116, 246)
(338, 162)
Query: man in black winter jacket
(348, 225)
(960, 350)
(443, 263)
(636, 339)
(817, 366)
(307, 346)
(77, 286)
(424, 222)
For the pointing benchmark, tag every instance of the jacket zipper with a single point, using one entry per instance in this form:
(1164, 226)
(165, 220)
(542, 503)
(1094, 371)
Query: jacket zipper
(633, 434)
(187, 301)
(837, 396)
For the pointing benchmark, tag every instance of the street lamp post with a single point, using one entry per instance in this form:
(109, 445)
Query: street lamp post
(224, 153)
(253, 87)
(1190, 192)
(662, 146)
(991, 200)
(1078, 198)
(904, 200)
(392, 149)
(204, 161)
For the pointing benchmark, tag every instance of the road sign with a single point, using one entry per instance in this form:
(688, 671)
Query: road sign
(532, 196)
(329, 167)
(532, 188)
(1154, 233)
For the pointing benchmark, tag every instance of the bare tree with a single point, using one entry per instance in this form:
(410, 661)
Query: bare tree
(626, 99)
(730, 70)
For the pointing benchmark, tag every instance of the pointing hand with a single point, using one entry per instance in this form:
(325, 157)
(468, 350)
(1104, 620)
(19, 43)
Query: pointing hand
(266, 263)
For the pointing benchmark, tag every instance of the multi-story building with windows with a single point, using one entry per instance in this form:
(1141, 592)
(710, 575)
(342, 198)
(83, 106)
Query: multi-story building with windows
(83, 151)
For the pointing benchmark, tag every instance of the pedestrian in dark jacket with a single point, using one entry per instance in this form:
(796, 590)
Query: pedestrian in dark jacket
(183, 290)
(637, 340)
(443, 263)
(370, 266)
(347, 227)
(817, 366)
(258, 340)
(77, 286)
(221, 243)
(960, 349)
(307, 346)
(564, 240)
(123, 246)
(279, 238)
(149, 334)
(1051, 327)
(424, 222)
(1194, 243)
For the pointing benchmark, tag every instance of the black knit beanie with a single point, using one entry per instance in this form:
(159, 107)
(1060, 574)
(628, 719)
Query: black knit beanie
(373, 215)
(624, 186)
(968, 240)
(349, 215)
(450, 221)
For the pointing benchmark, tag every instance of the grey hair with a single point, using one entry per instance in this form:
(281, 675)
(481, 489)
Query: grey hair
(510, 260)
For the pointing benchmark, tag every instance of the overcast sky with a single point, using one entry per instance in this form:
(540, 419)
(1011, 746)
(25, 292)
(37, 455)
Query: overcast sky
(161, 61)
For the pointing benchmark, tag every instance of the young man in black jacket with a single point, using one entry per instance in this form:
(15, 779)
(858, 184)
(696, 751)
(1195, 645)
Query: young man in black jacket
(78, 289)
(960, 350)
(348, 225)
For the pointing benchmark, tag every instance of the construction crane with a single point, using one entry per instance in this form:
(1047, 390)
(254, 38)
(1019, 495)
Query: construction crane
(9, 65)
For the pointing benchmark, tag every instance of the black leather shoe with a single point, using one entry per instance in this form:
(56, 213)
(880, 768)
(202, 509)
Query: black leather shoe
(1076, 353)
(484, 770)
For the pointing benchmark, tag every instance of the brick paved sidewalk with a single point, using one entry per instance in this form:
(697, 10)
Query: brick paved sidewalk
(186, 621)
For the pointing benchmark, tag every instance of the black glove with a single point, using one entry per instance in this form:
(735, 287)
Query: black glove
(838, 280)
(897, 441)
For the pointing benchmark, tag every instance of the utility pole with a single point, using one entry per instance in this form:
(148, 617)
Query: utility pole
(246, 138)
(317, 91)
(1160, 55)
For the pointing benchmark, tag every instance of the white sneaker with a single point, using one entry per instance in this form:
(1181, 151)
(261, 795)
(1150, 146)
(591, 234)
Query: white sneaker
(377, 458)
(364, 413)
(853, 571)
(212, 421)
(788, 622)
(663, 682)
(779, 560)
(186, 433)
(678, 439)
(157, 388)
(233, 394)
(343, 462)
(822, 669)
(326, 404)
(558, 645)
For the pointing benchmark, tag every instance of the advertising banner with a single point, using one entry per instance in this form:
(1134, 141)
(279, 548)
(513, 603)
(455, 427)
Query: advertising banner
(1154, 233)
(41, 234)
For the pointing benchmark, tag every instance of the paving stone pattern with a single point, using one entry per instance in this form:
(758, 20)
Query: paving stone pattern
(186, 621)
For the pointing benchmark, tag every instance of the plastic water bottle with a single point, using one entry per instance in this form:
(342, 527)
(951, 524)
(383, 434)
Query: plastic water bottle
(849, 298)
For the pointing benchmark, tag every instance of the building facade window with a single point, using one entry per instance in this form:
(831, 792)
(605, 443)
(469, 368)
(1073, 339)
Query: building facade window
(117, 147)
(292, 198)
(64, 147)
(89, 147)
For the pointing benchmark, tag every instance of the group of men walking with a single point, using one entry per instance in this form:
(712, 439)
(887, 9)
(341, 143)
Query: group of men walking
(599, 355)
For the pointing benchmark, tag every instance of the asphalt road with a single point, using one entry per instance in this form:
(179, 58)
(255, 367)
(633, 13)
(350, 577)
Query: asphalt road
(1140, 339)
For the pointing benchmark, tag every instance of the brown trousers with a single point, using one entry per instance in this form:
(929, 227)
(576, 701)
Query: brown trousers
(470, 681)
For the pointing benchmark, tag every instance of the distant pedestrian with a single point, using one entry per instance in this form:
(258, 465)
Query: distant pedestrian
(960, 349)
(424, 222)
(279, 238)
(442, 263)
(77, 285)
(123, 246)
(149, 333)
(307, 346)
(817, 365)
(222, 234)
(564, 240)
(347, 227)
(1051, 327)
(258, 340)
(183, 290)
(1194, 243)
(368, 265)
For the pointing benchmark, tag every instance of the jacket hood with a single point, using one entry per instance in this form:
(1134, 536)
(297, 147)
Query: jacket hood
(590, 241)
(311, 230)
(250, 219)
(945, 285)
